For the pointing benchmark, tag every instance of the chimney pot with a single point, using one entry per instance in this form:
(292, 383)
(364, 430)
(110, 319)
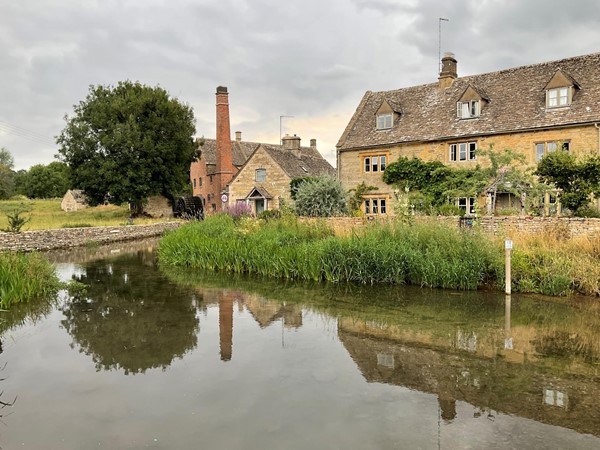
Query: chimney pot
(238, 136)
(313, 143)
(221, 90)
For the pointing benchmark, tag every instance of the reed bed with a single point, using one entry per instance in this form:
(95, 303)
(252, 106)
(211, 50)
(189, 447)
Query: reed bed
(25, 277)
(427, 255)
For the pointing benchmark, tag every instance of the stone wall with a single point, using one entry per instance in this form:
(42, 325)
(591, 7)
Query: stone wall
(502, 226)
(75, 237)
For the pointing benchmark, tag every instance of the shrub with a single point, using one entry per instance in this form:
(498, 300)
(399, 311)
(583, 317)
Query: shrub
(321, 197)
(239, 210)
(16, 221)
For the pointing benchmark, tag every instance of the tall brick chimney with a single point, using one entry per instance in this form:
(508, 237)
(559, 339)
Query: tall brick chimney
(224, 170)
(448, 73)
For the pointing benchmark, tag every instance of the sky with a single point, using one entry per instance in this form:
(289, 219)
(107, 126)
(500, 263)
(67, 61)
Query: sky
(310, 59)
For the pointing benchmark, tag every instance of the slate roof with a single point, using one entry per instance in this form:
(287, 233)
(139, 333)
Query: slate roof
(517, 102)
(241, 152)
(309, 163)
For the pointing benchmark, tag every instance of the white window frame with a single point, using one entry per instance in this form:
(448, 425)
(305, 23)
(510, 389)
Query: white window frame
(260, 175)
(463, 151)
(468, 110)
(544, 148)
(558, 97)
(385, 121)
(467, 204)
(374, 163)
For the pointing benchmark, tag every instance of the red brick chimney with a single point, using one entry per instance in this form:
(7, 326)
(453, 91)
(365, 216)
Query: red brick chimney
(225, 169)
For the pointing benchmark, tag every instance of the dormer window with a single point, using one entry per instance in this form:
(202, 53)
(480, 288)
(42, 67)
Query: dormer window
(558, 97)
(384, 121)
(468, 110)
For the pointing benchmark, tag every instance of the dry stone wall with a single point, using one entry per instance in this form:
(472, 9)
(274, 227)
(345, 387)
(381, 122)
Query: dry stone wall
(40, 240)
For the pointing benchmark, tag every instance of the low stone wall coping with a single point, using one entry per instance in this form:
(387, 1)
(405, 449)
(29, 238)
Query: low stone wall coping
(41, 240)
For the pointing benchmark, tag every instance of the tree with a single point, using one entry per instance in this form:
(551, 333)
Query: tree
(577, 179)
(131, 141)
(7, 176)
(42, 181)
(321, 197)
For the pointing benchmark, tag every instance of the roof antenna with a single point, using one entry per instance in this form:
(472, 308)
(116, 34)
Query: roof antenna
(440, 19)
(280, 124)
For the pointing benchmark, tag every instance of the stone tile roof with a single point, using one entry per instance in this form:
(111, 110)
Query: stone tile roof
(517, 102)
(241, 152)
(308, 163)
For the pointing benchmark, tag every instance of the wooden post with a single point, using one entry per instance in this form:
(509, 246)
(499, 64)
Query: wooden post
(508, 245)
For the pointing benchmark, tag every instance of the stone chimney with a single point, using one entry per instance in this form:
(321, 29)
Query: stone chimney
(313, 144)
(238, 136)
(292, 143)
(448, 73)
(224, 165)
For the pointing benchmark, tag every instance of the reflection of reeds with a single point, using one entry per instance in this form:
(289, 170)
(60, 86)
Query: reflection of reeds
(24, 277)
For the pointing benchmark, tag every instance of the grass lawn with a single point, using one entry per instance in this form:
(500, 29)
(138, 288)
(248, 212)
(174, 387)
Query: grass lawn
(46, 214)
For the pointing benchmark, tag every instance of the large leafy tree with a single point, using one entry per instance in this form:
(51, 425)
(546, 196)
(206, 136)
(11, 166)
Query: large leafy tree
(131, 141)
(6, 174)
(577, 179)
(42, 181)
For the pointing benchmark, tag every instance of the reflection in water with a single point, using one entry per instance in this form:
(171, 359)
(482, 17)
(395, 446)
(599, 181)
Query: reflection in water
(362, 367)
(129, 318)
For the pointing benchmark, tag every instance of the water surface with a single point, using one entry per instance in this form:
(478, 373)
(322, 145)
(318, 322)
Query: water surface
(179, 359)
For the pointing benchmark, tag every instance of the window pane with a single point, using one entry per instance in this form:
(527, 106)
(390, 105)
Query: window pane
(552, 97)
(551, 147)
(382, 163)
(465, 110)
(565, 146)
(472, 147)
(453, 152)
(463, 151)
(382, 206)
(374, 202)
(471, 205)
(474, 108)
(563, 98)
(367, 164)
(261, 175)
(374, 163)
(462, 203)
(539, 151)
(200, 181)
(367, 206)
(388, 121)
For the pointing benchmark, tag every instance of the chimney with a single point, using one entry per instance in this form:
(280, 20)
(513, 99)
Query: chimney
(313, 144)
(292, 143)
(238, 136)
(224, 165)
(448, 73)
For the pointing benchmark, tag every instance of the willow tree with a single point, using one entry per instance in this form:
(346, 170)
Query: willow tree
(130, 141)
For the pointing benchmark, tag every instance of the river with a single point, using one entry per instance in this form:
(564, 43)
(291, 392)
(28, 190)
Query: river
(176, 359)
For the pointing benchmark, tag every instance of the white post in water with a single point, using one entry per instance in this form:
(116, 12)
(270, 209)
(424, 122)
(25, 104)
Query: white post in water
(508, 245)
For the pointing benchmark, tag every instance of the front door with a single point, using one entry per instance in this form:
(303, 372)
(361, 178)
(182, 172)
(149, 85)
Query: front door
(259, 205)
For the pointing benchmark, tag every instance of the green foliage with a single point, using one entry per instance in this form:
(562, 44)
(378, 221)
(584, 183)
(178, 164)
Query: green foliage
(577, 179)
(358, 195)
(25, 277)
(131, 141)
(321, 197)
(414, 173)
(41, 181)
(296, 183)
(425, 255)
(7, 176)
(77, 225)
(16, 221)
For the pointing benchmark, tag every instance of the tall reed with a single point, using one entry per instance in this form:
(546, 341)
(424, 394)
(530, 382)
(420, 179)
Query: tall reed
(24, 277)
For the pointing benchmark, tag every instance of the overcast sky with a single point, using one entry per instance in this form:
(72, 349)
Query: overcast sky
(311, 59)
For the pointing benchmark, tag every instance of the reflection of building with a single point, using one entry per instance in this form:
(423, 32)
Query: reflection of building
(265, 312)
(489, 383)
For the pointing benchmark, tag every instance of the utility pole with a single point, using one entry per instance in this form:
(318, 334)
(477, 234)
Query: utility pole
(280, 124)
(440, 20)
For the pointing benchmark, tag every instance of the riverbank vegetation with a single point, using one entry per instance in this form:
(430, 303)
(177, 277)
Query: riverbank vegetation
(25, 277)
(46, 214)
(422, 254)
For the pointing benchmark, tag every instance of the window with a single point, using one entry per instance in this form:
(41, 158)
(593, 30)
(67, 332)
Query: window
(463, 151)
(375, 206)
(261, 175)
(384, 121)
(468, 110)
(543, 148)
(194, 182)
(200, 181)
(467, 204)
(558, 97)
(210, 178)
(374, 163)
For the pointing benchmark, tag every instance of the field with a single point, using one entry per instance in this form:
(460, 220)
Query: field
(46, 214)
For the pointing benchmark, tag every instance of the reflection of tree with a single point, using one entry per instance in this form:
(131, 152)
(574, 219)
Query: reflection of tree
(131, 317)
